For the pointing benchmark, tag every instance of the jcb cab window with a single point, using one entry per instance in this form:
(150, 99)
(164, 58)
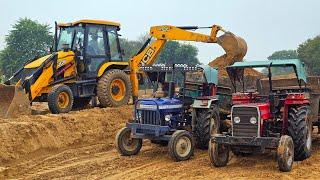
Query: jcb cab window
(114, 45)
(96, 44)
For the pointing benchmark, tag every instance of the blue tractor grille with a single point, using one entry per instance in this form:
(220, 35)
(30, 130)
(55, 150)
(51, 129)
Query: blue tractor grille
(149, 117)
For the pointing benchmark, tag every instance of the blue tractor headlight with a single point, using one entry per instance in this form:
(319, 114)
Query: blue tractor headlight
(167, 117)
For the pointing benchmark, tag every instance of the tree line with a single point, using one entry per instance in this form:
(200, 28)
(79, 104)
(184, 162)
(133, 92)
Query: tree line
(30, 39)
(308, 52)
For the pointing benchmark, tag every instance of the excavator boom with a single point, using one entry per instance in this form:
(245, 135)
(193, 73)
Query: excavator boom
(234, 46)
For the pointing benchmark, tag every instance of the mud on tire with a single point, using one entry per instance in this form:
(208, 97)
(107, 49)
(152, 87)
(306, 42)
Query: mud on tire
(300, 131)
(111, 94)
(203, 125)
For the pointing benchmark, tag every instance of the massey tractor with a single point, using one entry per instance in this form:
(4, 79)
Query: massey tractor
(277, 113)
(181, 117)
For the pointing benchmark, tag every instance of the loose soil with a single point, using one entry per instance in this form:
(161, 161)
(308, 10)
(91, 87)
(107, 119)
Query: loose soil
(80, 145)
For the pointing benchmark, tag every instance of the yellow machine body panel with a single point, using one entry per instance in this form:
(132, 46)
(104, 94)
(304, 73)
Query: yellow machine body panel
(41, 85)
(90, 21)
(174, 33)
(63, 58)
(37, 62)
(106, 65)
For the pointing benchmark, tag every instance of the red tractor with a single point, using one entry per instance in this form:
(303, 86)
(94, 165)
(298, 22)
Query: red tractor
(277, 113)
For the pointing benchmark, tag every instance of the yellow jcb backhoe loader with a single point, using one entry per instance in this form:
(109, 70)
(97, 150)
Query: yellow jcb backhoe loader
(87, 61)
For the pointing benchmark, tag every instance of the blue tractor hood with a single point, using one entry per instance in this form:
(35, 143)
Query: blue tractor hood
(162, 104)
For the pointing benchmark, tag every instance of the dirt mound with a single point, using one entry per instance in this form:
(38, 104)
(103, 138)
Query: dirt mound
(79, 145)
(28, 134)
(221, 64)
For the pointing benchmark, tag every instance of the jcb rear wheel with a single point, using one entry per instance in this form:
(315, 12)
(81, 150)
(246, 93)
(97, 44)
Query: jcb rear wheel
(60, 99)
(114, 88)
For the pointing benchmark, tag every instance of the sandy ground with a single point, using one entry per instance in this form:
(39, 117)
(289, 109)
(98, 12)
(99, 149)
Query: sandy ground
(80, 145)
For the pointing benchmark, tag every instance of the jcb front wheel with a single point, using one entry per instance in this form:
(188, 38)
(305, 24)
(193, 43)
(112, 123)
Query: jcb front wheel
(60, 99)
(114, 88)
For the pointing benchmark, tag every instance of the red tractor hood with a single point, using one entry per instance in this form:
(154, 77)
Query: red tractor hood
(264, 109)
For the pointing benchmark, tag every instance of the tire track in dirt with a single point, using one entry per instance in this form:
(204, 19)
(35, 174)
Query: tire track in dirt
(153, 162)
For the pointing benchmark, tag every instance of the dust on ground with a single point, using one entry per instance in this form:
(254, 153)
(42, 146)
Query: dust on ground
(80, 145)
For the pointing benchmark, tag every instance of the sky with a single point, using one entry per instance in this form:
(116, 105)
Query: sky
(266, 25)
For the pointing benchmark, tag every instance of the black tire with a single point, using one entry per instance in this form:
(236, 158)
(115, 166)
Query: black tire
(106, 91)
(80, 102)
(285, 153)
(126, 145)
(218, 154)
(206, 124)
(181, 145)
(160, 142)
(300, 131)
(56, 101)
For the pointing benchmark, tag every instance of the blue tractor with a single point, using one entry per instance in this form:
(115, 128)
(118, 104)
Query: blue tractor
(181, 117)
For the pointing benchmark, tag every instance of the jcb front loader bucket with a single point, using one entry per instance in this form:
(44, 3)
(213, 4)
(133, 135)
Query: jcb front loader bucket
(235, 48)
(13, 102)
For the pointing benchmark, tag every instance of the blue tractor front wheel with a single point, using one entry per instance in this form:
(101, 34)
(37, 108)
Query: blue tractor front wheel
(181, 145)
(125, 144)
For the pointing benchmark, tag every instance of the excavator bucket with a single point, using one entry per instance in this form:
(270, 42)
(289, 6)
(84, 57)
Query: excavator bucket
(235, 48)
(13, 102)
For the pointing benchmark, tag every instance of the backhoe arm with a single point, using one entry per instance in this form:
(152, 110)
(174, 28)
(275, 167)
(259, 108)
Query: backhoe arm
(162, 34)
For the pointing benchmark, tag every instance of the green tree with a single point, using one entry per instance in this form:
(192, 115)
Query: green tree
(175, 52)
(309, 52)
(27, 39)
(130, 47)
(284, 54)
